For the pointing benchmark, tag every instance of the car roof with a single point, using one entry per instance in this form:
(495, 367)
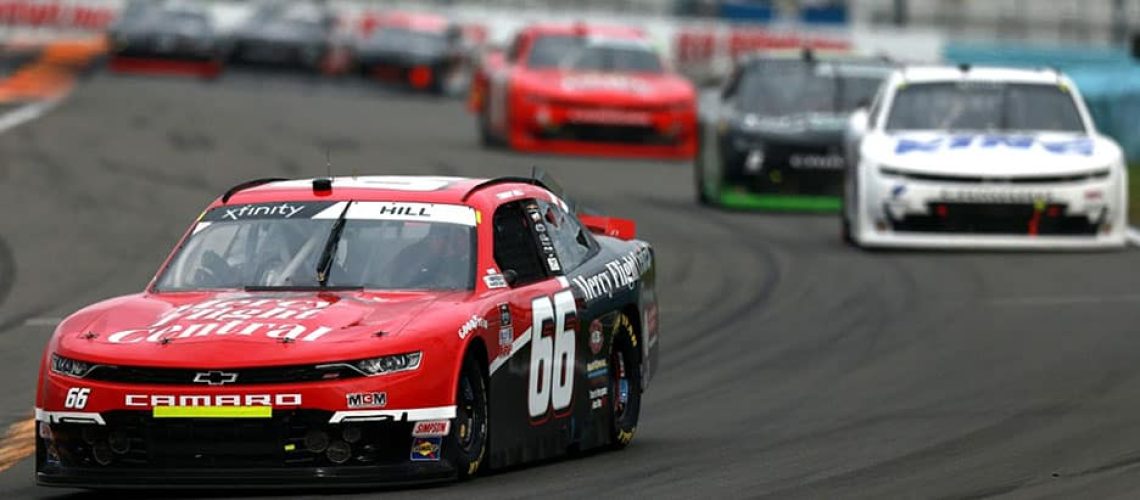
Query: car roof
(415, 21)
(421, 189)
(934, 74)
(586, 29)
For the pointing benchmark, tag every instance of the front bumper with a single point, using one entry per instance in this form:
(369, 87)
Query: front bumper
(603, 130)
(301, 447)
(775, 168)
(1079, 214)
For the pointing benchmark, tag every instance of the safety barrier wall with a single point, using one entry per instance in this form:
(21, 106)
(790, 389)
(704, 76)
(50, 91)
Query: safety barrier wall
(698, 46)
(1108, 78)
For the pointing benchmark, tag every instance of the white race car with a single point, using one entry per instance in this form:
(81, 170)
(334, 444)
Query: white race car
(961, 157)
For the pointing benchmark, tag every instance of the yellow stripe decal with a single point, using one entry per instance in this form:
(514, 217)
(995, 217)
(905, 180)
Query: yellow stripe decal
(213, 412)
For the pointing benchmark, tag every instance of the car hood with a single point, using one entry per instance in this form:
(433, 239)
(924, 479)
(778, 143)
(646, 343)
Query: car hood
(626, 89)
(200, 330)
(800, 128)
(1006, 155)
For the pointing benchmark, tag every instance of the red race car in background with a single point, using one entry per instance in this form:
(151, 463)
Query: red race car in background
(587, 90)
(357, 331)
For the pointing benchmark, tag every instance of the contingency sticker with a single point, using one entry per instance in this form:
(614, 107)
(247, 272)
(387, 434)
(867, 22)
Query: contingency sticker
(426, 449)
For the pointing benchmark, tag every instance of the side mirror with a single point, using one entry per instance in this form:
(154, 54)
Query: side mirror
(1136, 45)
(511, 276)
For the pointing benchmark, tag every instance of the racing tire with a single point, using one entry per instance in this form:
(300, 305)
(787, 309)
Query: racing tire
(468, 437)
(624, 383)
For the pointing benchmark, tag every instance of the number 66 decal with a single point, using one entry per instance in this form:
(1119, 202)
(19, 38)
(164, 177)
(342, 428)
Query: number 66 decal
(551, 382)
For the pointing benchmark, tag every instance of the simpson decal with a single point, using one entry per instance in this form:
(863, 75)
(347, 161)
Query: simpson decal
(431, 428)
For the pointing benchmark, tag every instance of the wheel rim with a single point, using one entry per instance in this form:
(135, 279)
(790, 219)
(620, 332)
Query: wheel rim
(469, 416)
(619, 386)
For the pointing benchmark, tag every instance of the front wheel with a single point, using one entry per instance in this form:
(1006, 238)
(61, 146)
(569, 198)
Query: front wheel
(625, 383)
(468, 436)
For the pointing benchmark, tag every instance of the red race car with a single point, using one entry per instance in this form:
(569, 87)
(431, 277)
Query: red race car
(587, 90)
(357, 331)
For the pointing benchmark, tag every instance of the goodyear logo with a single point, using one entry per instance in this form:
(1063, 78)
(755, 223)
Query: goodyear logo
(1081, 147)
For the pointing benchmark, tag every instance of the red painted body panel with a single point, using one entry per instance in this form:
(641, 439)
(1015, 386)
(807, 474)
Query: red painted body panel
(530, 108)
(232, 329)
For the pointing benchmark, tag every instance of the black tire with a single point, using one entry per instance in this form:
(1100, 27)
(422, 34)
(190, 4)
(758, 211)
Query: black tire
(625, 383)
(468, 437)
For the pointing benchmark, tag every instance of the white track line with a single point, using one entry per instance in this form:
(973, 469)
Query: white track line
(25, 113)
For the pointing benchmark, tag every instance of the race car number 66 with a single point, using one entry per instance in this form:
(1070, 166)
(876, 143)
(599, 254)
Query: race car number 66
(551, 358)
(76, 398)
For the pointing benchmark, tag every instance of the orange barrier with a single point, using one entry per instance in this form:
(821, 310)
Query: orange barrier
(52, 74)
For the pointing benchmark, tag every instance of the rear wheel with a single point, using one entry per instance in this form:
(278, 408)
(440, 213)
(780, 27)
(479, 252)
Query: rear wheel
(469, 434)
(625, 383)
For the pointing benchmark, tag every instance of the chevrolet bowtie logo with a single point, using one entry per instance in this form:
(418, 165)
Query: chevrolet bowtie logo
(215, 378)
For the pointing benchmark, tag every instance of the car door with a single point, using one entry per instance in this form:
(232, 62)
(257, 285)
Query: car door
(533, 382)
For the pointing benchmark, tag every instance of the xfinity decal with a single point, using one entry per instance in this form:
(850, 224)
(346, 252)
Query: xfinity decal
(257, 211)
(1082, 146)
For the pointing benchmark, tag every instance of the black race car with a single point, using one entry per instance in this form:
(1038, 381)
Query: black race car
(286, 34)
(773, 138)
(166, 37)
(418, 51)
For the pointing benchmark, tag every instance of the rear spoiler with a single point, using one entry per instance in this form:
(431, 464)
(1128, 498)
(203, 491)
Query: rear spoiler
(624, 229)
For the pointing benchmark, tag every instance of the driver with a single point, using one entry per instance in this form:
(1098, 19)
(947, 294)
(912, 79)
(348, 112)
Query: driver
(439, 260)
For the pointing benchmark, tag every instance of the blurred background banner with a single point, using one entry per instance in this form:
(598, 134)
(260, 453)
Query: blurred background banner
(1090, 39)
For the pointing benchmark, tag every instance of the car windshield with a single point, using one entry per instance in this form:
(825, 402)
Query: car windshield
(387, 246)
(985, 106)
(410, 40)
(549, 51)
(788, 88)
(615, 58)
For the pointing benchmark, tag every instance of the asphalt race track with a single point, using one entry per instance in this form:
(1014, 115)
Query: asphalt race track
(792, 366)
